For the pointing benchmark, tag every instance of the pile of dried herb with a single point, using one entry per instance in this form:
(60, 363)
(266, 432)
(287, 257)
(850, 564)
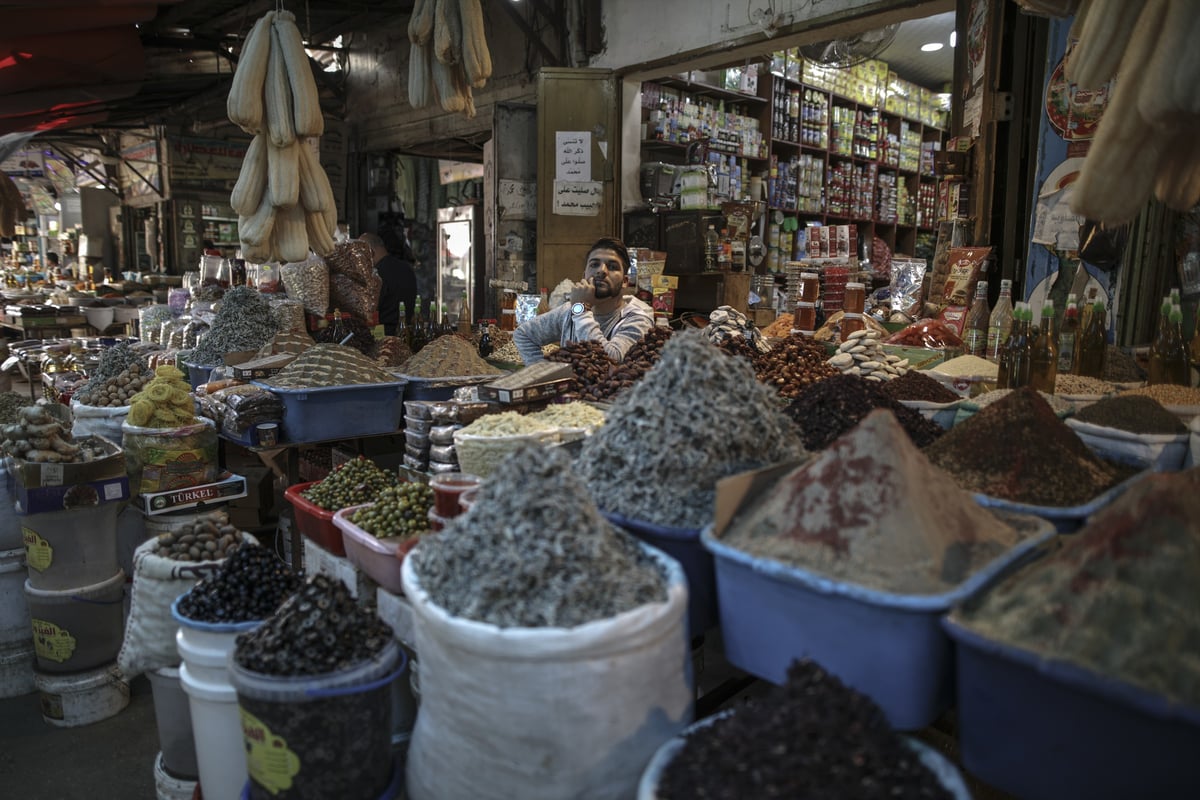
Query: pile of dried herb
(828, 408)
(1118, 597)
(813, 737)
(871, 510)
(449, 356)
(243, 322)
(1133, 413)
(697, 416)
(1018, 449)
(533, 551)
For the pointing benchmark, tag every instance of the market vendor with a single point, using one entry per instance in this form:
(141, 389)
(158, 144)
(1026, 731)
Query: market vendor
(596, 311)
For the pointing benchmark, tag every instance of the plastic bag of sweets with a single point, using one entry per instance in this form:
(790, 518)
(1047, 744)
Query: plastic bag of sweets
(967, 264)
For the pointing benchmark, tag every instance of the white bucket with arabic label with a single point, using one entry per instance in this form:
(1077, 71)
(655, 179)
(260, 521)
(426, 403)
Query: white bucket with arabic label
(69, 701)
(77, 629)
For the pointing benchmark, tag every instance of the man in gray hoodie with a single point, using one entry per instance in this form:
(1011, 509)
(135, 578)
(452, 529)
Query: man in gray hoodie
(596, 310)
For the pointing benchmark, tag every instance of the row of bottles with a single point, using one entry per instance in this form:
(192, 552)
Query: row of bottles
(1170, 355)
(424, 328)
(723, 253)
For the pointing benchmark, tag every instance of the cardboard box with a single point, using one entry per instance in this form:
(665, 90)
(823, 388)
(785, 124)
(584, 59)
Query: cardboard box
(535, 382)
(227, 488)
(36, 500)
(35, 475)
(260, 489)
(740, 491)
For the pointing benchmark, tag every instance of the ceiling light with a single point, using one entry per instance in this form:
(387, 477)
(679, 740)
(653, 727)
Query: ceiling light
(953, 38)
(931, 47)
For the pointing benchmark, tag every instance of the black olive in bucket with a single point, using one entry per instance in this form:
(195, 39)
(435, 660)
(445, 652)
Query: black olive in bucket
(314, 688)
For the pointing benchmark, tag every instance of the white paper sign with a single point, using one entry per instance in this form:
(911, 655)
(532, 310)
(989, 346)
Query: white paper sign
(578, 198)
(517, 199)
(573, 156)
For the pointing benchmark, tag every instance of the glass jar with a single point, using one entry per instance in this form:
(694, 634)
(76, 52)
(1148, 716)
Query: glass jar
(810, 287)
(851, 323)
(855, 298)
(806, 316)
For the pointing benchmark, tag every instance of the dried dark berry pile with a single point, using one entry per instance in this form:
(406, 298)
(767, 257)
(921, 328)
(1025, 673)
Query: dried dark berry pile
(830, 407)
(811, 738)
(1019, 450)
(343, 738)
(915, 385)
(319, 629)
(250, 585)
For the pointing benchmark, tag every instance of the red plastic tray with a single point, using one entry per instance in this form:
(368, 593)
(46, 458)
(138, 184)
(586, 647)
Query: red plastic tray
(313, 521)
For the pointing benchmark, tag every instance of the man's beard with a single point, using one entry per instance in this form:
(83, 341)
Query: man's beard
(602, 288)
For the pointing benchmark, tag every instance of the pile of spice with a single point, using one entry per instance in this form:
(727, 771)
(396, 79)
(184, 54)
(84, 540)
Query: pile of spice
(325, 365)
(871, 510)
(1169, 394)
(919, 387)
(11, 404)
(507, 423)
(1118, 596)
(1018, 449)
(1081, 384)
(830, 407)
(448, 356)
(249, 585)
(1120, 367)
(1133, 413)
(534, 551)
(1055, 402)
(243, 322)
(570, 415)
(968, 367)
(812, 737)
(697, 416)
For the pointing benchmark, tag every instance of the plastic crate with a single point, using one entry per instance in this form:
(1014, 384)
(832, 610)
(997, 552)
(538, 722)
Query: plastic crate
(339, 412)
(380, 558)
(890, 647)
(198, 374)
(683, 545)
(1047, 730)
(440, 388)
(1067, 519)
(313, 521)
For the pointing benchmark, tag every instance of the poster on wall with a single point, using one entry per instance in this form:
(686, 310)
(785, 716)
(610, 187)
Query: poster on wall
(204, 164)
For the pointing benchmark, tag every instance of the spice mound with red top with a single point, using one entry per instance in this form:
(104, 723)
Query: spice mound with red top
(1017, 449)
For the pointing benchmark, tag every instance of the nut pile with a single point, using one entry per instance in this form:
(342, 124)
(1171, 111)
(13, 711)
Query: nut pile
(243, 322)
(696, 417)
(209, 538)
(1081, 384)
(117, 390)
(862, 354)
(249, 585)
(350, 484)
(319, 628)
(792, 364)
(1169, 394)
(448, 356)
(114, 362)
(400, 510)
(324, 365)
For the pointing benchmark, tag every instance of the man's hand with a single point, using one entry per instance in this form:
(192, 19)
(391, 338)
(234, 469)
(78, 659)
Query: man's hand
(583, 292)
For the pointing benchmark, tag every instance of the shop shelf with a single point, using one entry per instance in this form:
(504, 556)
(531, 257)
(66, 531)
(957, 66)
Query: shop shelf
(339, 412)
(313, 521)
(683, 545)
(1045, 730)
(888, 646)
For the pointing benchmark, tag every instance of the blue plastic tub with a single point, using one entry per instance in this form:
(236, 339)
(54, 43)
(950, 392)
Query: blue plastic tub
(198, 374)
(683, 545)
(1049, 730)
(339, 412)
(440, 388)
(890, 647)
(1065, 520)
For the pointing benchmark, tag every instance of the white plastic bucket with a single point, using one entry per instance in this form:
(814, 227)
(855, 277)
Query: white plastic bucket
(16, 669)
(167, 786)
(14, 611)
(77, 629)
(205, 646)
(172, 714)
(10, 525)
(217, 728)
(69, 701)
(72, 548)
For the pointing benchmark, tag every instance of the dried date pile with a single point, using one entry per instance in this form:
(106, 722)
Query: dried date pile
(830, 407)
(1019, 450)
(1111, 597)
(601, 379)
(697, 416)
(534, 551)
(792, 364)
(813, 737)
(870, 510)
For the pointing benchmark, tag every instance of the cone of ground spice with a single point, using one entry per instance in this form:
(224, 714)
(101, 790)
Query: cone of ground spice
(1118, 597)
(871, 510)
(1017, 449)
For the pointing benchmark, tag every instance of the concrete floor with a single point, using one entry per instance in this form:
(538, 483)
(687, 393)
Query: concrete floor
(108, 760)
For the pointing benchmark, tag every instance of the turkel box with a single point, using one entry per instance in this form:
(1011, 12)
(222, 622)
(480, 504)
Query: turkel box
(228, 488)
